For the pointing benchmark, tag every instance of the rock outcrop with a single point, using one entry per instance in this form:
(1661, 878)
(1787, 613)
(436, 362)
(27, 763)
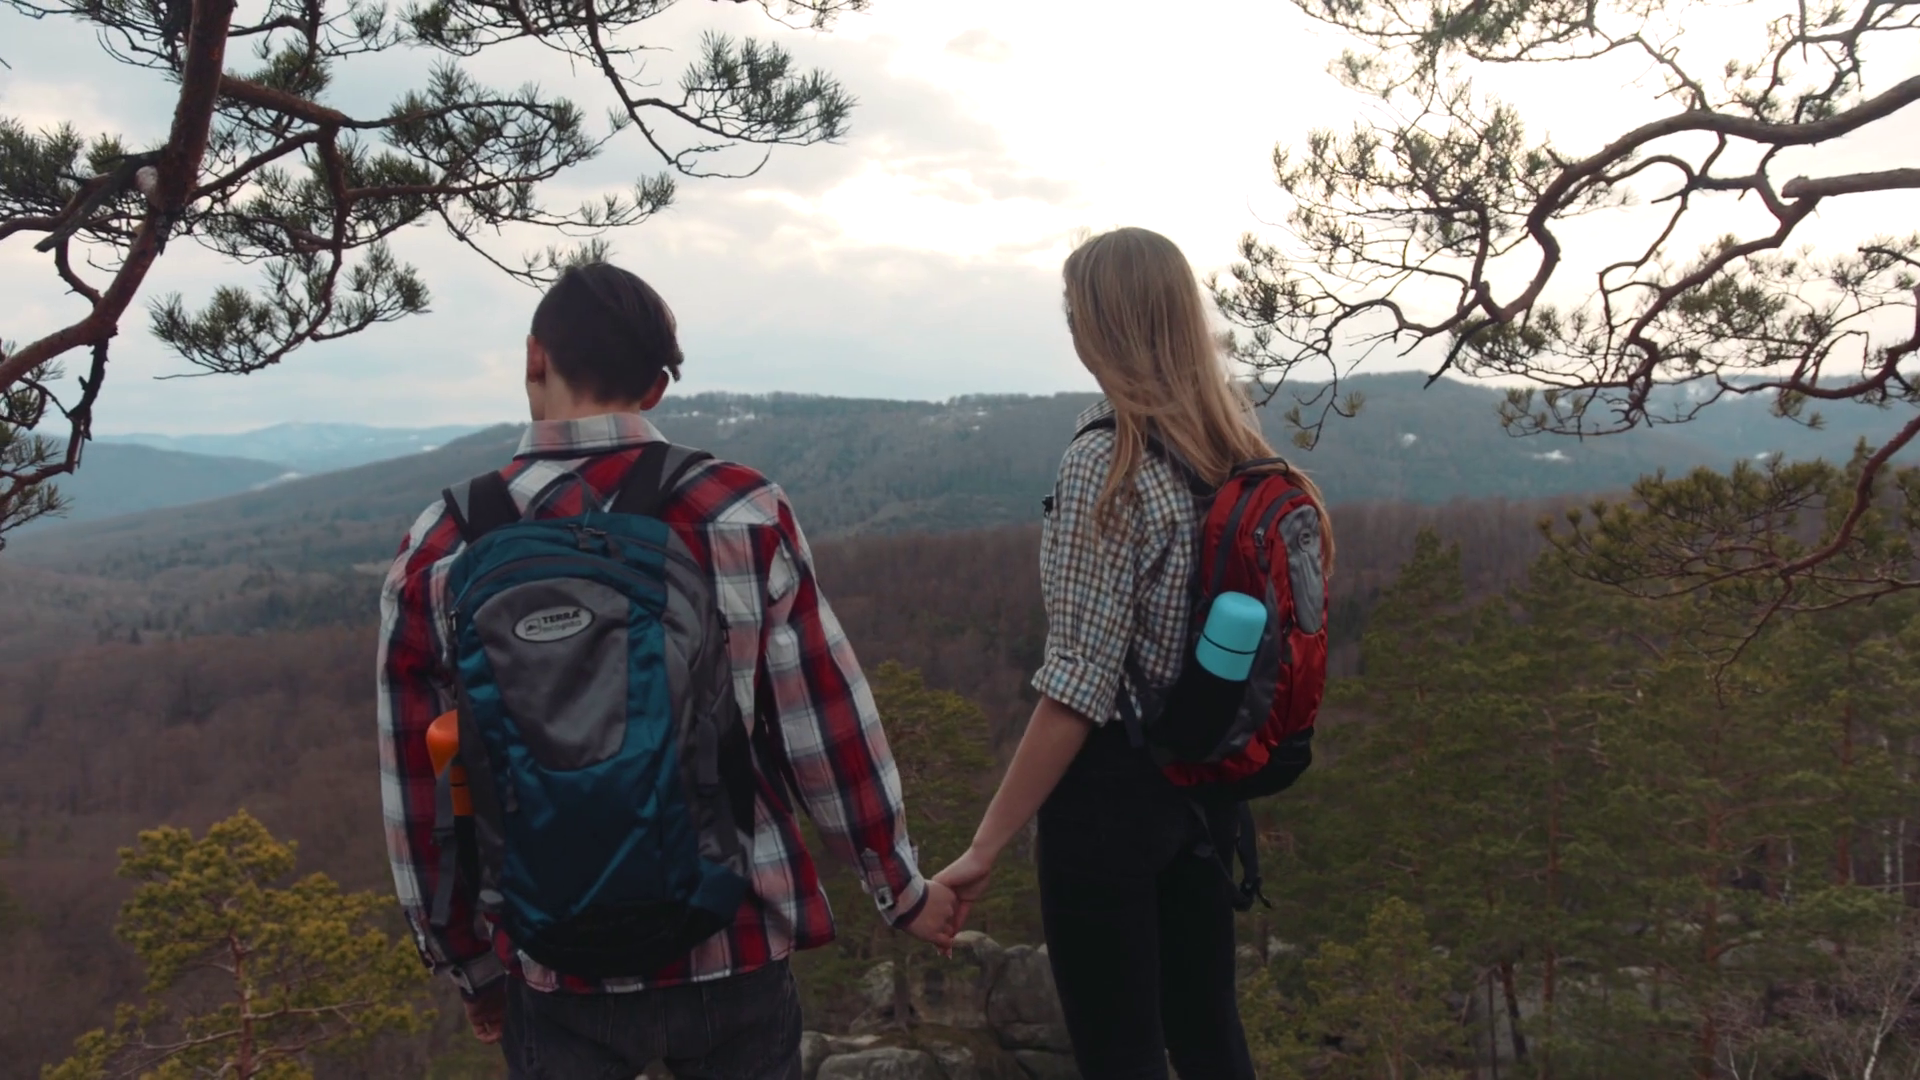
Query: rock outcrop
(990, 1013)
(1022, 1006)
(882, 1063)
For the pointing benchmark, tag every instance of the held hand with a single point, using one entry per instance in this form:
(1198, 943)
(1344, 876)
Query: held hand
(487, 1012)
(934, 923)
(967, 876)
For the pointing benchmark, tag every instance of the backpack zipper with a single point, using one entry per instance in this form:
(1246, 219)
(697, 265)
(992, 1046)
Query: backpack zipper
(1266, 550)
(616, 569)
(612, 542)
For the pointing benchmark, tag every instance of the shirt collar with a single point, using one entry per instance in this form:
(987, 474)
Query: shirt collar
(587, 435)
(1096, 411)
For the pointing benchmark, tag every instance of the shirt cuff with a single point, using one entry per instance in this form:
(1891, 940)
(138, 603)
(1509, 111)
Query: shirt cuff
(1078, 686)
(907, 905)
(478, 974)
(898, 903)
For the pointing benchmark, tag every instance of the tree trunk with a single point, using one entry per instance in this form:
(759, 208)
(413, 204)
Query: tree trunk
(1493, 1031)
(1900, 826)
(1843, 857)
(1549, 980)
(1549, 962)
(902, 995)
(243, 1063)
(1889, 843)
(179, 171)
(1513, 1011)
(1704, 1061)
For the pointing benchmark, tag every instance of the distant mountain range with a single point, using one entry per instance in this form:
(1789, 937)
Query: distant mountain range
(116, 479)
(307, 448)
(125, 474)
(855, 465)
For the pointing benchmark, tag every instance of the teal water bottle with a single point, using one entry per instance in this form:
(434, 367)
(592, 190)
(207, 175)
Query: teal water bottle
(1231, 636)
(1211, 692)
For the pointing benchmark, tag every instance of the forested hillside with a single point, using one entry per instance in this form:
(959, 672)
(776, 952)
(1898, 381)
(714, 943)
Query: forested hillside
(103, 740)
(295, 577)
(1564, 843)
(1544, 772)
(887, 466)
(1631, 859)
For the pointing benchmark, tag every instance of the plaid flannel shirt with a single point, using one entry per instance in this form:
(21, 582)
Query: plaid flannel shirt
(793, 671)
(1116, 596)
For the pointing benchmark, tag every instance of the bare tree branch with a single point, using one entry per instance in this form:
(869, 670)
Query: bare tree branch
(1801, 187)
(261, 169)
(179, 173)
(1442, 231)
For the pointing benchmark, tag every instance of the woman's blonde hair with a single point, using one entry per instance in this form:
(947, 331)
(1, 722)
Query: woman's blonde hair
(1139, 323)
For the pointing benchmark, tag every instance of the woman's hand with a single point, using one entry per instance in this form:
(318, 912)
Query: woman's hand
(1054, 735)
(967, 876)
(936, 923)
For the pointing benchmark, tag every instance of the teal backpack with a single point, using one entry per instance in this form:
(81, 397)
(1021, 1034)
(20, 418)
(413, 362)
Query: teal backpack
(607, 762)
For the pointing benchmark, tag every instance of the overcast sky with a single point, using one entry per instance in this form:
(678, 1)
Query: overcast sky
(918, 258)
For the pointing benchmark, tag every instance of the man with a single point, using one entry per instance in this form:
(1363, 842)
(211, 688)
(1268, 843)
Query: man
(602, 351)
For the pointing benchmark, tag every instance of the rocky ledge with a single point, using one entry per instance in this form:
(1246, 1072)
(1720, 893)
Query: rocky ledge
(990, 1013)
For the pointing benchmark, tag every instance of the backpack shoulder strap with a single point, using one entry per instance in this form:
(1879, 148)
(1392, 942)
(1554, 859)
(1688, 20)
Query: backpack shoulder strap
(651, 481)
(1098, 423)
(1262, 463)
(1194, 480)
(481, 505)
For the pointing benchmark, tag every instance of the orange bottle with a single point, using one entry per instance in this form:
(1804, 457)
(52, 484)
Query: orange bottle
(443, 740)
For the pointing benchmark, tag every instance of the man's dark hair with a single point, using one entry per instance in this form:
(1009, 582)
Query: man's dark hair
(607, 332)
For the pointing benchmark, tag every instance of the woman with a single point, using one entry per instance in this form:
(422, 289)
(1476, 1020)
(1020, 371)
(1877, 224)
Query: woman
(1138, 913)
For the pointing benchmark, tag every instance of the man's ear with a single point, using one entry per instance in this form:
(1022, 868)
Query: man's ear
(659, 391)
(536, 362)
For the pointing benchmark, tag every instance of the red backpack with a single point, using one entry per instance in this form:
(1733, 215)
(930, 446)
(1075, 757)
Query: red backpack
(1234, 741)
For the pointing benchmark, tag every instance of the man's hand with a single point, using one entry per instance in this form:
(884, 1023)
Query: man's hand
(934, 923)
(487, 1012)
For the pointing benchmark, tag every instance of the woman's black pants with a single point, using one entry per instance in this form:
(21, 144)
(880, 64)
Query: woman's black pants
(1139, 921)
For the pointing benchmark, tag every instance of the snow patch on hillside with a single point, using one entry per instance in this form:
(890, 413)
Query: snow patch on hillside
(276, 481)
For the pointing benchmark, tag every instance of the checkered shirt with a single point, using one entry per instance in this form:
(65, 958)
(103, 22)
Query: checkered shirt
(793, 670)
(1116, 596)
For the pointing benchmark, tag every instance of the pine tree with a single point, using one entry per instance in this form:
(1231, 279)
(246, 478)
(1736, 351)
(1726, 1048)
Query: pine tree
(1764, 540)
(1356, 822)
(1554, 661)
(249, 975)
(1406, 803)
(264, 165)
(1637, 842)
(1443, 225)
(1384, 997)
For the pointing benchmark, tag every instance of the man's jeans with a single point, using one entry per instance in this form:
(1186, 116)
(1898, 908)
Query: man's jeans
(743, 1028)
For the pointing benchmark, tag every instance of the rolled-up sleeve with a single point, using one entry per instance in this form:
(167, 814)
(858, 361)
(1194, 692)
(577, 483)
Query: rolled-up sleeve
(1087, 579)
(831, 732)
